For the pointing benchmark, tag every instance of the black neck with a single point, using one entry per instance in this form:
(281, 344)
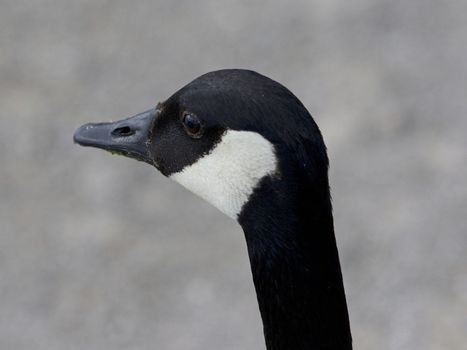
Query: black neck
(295, 266)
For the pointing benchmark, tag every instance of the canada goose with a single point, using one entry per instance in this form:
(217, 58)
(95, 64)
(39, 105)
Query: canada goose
(247, 145)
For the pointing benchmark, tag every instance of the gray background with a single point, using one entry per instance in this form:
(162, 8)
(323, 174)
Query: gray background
(101, 252)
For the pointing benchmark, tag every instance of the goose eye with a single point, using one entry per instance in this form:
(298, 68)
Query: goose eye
(192, 125)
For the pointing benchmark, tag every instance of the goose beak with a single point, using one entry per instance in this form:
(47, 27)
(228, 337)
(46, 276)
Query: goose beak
(129, 137)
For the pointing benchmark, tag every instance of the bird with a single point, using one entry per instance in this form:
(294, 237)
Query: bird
(247, 145)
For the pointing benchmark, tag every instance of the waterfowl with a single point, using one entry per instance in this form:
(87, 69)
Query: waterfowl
(247, 145)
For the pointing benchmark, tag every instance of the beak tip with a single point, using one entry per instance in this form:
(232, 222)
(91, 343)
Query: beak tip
(78, 137)
(91, 134)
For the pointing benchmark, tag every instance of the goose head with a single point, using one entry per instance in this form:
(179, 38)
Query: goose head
(220, 136)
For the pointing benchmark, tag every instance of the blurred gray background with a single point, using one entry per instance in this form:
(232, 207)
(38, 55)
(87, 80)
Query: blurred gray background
(102, 252)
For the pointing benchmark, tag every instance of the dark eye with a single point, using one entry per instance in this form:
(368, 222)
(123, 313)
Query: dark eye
(192, 125)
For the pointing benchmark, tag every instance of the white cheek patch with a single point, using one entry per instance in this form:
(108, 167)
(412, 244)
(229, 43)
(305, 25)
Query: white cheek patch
(227, 176)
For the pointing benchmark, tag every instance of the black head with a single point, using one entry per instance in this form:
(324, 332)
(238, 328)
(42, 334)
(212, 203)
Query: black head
(219, 136)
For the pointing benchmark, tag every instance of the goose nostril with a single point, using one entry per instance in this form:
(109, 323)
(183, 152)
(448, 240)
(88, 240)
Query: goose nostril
(123, 131)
